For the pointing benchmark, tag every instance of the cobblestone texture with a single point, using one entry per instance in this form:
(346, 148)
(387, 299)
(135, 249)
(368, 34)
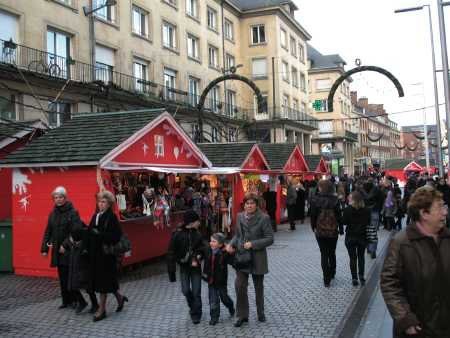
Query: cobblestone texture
(297, 304)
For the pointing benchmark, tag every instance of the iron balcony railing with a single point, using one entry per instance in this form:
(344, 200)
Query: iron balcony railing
(287, 113)
(58, 67)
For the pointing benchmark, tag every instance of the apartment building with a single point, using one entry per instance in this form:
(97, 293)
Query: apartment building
(58, 57)
(413, 141)
(337, 137)
(378, 136)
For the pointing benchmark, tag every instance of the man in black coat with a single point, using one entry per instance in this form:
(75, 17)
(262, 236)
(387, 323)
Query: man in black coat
(186, 248)
(61, 222)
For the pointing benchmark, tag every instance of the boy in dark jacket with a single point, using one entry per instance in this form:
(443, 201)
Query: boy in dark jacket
(215, 272)
(185, 248)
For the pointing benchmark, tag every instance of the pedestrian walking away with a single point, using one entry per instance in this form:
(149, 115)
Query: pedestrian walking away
(215, 273)
(326, 224)
(356, 219)
(253, 235)
(186, 248)
(416, 272)
(291, 202)
(104, 232)
(63, 219)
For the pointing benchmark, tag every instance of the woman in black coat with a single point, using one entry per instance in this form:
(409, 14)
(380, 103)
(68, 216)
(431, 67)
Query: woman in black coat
(104, 231)
(61, 222)
(300, 202)
(357, 219)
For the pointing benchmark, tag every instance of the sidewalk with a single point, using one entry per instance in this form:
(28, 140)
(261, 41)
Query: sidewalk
(297, 304)
(377, 322)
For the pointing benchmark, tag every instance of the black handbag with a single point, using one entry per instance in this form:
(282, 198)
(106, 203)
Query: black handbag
(122, 247)
(243, 258)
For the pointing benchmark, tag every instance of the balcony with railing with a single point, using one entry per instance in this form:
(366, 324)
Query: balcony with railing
(56, 67)
(286, 113)
(335, 129)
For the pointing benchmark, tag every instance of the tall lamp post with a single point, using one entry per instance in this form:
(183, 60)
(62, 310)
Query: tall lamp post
(445, 74)
(436, 93)
(89, 11)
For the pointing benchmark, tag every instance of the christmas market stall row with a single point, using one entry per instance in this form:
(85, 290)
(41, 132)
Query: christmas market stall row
(150, 164)
(402, 168)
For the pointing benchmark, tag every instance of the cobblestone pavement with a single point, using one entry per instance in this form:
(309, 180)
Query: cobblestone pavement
(297, 304)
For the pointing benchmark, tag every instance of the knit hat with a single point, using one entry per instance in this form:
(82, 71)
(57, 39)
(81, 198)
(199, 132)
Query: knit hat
(190, 216)
(219, 237)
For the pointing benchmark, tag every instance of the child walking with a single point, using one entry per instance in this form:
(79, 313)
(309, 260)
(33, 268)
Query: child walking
(215, 272)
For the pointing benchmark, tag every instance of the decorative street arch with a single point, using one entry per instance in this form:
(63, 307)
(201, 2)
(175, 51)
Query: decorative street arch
(232, 76)
(359, 70)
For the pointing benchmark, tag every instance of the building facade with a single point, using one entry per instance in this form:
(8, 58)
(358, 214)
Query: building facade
(379, 137)
(413, 141)
(56, 58)
(337, 136)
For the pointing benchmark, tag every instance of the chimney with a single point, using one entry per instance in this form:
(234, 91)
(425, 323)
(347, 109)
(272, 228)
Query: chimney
(363, 102)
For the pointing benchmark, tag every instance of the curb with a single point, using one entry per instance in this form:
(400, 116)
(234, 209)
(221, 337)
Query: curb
(350, 323)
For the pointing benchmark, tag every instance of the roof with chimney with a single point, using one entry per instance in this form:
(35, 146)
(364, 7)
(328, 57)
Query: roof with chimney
(320, 61)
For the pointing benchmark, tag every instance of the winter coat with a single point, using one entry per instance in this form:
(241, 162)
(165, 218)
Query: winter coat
(325, 201)
(182, 242)
(291, 196)
(78, 264)
(216, 272)
(356, 221)
(257, 230)
(415, 280)
(103, 274)
(300, 203)
(61, 222)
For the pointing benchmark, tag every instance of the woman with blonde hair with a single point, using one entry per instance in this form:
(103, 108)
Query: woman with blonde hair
(104, 231)
(356, 218)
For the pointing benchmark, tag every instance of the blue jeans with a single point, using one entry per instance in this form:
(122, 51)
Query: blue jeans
(191, 286)
(375, 219)
(217, 294)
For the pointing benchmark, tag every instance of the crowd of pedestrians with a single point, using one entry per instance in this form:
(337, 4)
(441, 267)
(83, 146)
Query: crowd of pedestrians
(415, 276)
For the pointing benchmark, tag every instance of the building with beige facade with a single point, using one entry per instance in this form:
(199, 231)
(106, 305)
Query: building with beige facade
(159, 53)
(337, 137)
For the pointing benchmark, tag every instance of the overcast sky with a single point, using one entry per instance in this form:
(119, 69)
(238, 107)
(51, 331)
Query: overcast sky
(369, 30)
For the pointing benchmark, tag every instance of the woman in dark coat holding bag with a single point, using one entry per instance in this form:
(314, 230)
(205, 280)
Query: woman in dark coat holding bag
(253, 234)
(104, 231)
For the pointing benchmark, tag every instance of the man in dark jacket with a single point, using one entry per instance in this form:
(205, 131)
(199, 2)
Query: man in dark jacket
(61, 222)
(416, 272)
(186, 248)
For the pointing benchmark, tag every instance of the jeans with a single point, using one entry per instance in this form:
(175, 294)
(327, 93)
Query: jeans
(191, 287)
(398, 223)
(390, 223)
(356, 249)
(291, 215)
(241, 285)
(217, 294)
(372, 247)
(328, 257)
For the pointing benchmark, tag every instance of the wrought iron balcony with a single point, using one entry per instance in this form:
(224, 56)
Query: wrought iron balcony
(286, 113)
(56, 67)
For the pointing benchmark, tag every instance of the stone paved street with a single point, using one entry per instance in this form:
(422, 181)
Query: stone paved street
(297, 304)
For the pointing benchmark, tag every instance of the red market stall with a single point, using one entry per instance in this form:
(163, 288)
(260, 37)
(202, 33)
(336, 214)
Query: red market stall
(14, 135)
(125, 152)
(401, 168)
(247, 165)
(318, 167)
(286, 160)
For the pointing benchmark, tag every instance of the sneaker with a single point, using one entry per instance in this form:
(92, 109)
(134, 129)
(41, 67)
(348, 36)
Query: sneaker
(196, 321)
(374, 255)
(213, 322)
(355, 282)
(362, 281)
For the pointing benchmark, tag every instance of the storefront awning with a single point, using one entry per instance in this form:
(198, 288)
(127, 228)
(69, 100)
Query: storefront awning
(168, 170)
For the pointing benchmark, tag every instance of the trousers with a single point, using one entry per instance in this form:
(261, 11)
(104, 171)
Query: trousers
(217, 294)
(241, 285)
(327, 248)
(356, 249)
(191, 287)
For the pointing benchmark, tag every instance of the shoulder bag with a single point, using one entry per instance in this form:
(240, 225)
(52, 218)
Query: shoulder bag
(243, 257)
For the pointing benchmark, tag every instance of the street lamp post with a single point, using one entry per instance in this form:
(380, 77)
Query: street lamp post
(89, 11)
(445, 68)
(436, 93)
